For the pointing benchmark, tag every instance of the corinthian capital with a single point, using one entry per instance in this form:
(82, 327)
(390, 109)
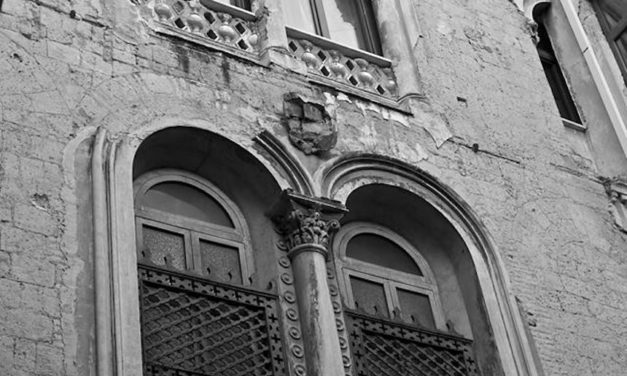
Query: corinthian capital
(306, 223)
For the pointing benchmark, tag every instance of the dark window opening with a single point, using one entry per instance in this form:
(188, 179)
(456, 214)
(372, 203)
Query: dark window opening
(554, 76)
(351, 23)
(612, 16)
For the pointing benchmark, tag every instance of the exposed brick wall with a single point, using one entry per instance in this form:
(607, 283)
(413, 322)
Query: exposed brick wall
(532, 182)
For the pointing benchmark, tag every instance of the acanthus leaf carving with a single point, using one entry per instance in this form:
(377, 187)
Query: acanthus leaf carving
(306, 222)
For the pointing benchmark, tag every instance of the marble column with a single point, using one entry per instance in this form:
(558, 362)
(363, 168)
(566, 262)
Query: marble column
(307, 225)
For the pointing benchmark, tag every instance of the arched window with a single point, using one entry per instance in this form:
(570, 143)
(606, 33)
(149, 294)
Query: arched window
(187, 224)
(384, 275)
(553, 72)
(194, 255)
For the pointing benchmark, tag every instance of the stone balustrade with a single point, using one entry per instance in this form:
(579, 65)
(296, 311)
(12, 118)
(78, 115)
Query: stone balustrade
(210, 21)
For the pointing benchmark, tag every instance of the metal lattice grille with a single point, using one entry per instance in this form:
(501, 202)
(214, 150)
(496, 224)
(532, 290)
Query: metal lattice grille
(383, 348)
(192, 327)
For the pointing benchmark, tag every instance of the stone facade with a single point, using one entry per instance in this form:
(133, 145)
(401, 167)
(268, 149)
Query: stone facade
(479, 118)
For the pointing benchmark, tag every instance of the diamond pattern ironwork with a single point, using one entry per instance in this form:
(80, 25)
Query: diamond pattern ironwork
(195, 327)
(384, 348)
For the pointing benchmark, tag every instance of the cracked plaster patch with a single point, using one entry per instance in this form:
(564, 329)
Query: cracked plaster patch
(435, 124)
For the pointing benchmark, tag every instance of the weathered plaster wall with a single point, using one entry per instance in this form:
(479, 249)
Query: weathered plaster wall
(534, 189)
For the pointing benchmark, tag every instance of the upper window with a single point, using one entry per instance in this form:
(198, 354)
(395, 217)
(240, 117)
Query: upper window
(384, 275)
(613, 19)
(554, 76)
(185, 223)
(350, 23)
(244, 4)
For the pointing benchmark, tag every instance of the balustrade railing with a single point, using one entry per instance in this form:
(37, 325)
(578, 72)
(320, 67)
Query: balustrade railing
(210, 21)
(384, 348)
(357, 69)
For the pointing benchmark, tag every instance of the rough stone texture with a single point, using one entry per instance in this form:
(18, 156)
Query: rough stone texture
(530, 182)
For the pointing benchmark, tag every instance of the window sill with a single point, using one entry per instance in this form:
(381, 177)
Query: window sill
(575, 126)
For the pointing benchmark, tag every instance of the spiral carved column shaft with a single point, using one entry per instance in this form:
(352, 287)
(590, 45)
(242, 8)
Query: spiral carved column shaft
(306, 225)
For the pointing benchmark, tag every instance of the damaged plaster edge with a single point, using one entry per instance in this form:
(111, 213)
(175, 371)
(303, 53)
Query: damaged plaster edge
(616, 189)
(434, 122)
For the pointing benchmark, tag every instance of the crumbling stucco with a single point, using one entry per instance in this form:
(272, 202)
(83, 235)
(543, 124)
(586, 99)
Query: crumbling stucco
(530, 181)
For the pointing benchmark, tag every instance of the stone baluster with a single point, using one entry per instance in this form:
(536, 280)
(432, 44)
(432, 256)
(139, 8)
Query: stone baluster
(306, 225)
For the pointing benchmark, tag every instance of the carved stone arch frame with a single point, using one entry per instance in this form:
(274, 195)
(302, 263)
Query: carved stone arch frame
(529, 7)
(239, 237)
(118, 337)
(348, 267)
(342, 176)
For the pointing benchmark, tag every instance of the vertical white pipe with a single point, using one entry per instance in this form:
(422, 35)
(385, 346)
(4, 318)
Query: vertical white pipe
(598, 76)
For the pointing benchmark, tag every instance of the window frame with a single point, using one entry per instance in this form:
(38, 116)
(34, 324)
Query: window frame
(612, 34)
(554, 74)
(194, 230)
(391, 279)
(367, 22)
(242, 4)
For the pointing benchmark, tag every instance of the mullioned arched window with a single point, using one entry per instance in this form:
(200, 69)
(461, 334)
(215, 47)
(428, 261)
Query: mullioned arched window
(384, 275)
(194, 259)
(187, 224)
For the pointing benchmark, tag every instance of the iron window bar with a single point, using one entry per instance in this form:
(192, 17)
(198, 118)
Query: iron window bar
(383, 347)
(196, 327)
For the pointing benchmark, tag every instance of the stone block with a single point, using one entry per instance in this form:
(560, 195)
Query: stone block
(23, 9)
(59, 26)
(26, 324)
(32, 268)
(124, 56)
(5, 264)
(64, 53)
(165, 57)
(31, 218)
(16, 240)
(7, 346)
(49, 360)
(25, 354)
(94, 61)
